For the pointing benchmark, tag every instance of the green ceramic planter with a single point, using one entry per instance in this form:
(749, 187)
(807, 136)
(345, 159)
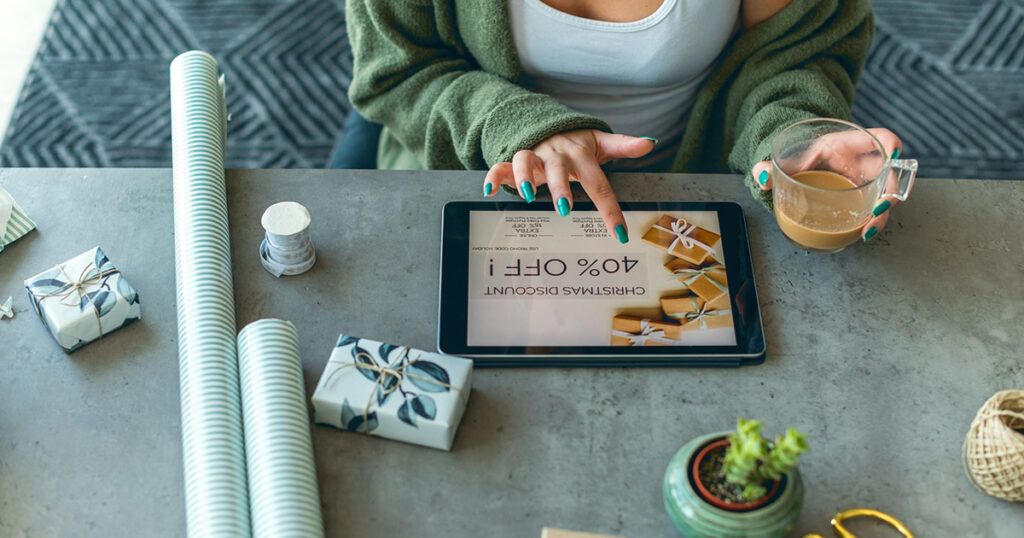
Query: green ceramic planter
(697, 518)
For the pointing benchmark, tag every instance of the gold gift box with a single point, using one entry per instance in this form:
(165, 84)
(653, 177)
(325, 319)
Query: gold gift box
(709, 282)
(685, 270)
(677, 306)
(682, 239)
(630, 329)
(714, 294)
(708, 319)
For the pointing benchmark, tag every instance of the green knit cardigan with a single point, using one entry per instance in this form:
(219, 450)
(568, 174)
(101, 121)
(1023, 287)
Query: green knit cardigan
(443, 77)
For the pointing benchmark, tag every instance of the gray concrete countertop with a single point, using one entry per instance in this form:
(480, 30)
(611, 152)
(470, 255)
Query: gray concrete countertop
(880, 354)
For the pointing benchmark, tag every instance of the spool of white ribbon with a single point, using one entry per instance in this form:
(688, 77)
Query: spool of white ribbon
(287, 249)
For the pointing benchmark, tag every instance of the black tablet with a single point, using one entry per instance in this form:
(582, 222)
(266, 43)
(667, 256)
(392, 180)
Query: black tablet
(524, 286)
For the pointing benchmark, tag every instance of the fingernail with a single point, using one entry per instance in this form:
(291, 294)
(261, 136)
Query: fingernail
(881, 208)
(526, 188)
(651, 138)
(620, 233)
(487, 189)
(563, 206)
(895, 154)
(762, 178)
(870, 233)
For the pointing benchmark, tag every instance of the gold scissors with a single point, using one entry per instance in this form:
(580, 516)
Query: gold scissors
(841, 532)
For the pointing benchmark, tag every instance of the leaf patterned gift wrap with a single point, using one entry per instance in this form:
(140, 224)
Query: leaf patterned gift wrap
(83, 299)
(393, 391)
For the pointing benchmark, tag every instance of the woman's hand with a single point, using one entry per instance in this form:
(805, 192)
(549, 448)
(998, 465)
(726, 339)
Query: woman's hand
(571, 156)
(848, 151)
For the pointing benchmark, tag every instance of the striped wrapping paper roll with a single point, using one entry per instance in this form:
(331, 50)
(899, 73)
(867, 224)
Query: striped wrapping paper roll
(279, 450)
(216, 500)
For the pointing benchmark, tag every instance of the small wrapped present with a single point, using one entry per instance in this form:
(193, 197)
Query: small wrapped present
(639, 331)
(14, 223)
(682, 239)
(708, 282)
(395, 392)
(705, 318)
(83, 299)
(684, 271)
(678, 306)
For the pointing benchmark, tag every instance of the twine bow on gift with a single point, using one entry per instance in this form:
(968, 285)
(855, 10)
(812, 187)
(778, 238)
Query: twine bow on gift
(89, 276)
(385, 373)
(702, 315)
(694, 300)
(647, 332)
(682, 230)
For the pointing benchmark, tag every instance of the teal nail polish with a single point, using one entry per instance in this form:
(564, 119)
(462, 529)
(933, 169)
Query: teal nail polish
(620, 233)
(651, 138)
(872, 231)
(488, 188)
(881, 208)
(526, 188)
(762, 178)
(563, 206)
(895, 154)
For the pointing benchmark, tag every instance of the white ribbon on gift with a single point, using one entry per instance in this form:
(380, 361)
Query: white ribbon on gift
(693, 274)
(647, 332)
(682, 230)
(702, 315)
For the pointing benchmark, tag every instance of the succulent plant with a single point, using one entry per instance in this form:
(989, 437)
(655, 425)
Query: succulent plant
(751, 459)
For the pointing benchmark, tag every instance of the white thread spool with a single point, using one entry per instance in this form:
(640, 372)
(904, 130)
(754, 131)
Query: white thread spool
(287, 249)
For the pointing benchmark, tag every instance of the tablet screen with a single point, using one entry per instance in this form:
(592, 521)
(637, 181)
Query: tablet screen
(540, 279)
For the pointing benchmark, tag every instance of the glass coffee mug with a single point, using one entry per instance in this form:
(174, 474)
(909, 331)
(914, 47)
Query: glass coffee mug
(828, 175)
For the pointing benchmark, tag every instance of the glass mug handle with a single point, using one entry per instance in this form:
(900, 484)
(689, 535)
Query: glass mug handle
(902, 173)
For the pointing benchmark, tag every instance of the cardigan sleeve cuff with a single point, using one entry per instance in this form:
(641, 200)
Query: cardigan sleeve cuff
(526, 120)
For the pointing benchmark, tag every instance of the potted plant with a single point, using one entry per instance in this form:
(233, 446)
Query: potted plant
(736, 484)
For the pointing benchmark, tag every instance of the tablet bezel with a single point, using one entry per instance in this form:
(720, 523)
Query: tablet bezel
(453, 301)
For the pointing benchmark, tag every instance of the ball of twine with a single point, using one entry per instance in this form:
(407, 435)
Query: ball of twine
(993, 453)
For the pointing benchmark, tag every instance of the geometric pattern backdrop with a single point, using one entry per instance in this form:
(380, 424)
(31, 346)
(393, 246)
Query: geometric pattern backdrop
(946, 75)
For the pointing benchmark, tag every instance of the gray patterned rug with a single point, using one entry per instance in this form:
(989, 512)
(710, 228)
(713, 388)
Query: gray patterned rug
(947, 75)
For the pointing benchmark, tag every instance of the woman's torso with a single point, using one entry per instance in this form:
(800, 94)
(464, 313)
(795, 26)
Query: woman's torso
(641, 77)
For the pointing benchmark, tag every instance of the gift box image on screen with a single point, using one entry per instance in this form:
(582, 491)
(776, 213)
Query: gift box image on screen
(545, 280)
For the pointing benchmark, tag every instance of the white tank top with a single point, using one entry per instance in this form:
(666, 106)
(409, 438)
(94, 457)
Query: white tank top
(640, 77)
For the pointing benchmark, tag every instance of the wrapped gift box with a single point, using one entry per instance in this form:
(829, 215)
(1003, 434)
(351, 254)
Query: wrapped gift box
(706, 318)
(715, 295)
(709, 282)
(682, 239)
(83, 299)
(684, 271)
(14, 223)
(395, 392)
(678, 306)
(640, 331)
